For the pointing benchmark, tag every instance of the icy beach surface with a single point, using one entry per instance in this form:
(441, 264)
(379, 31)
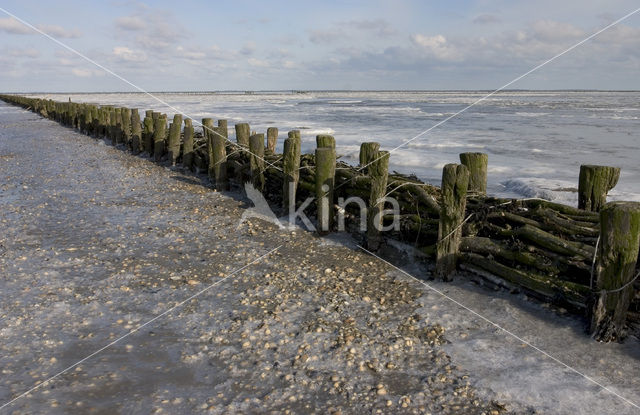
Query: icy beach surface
(96, 242)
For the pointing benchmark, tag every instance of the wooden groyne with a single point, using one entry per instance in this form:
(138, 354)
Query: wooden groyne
(581, 258)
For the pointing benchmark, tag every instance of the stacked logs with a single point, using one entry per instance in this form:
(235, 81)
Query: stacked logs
(584, 258)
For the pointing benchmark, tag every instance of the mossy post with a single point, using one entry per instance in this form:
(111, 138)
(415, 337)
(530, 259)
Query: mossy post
(368, 153)
(272, 139)
(615, 269)
(291, 169)
(477, 164)
(223, 129)
(112, 125)
(174, 139)
(126, 126)
(243, 132)
(256, 160)
(159, 135)
(325, 180)
(148, 113)
(455, 182)
(136, 132)
(147, 134)
(378, 173)
(118, 137)
(187, 156)
(324, 140)
(594, 184)
(218, 166)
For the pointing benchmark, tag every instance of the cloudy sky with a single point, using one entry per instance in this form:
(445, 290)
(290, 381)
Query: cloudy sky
(282, 45)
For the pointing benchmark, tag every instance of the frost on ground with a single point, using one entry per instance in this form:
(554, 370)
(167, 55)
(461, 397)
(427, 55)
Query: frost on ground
(96, 242)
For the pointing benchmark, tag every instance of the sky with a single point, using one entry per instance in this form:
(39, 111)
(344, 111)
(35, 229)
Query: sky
(317, 45)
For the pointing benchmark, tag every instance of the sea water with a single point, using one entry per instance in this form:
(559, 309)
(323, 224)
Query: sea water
(536, 140)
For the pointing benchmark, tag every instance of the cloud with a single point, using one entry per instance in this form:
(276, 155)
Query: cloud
(258, 63)
(11, 25)
(548, 30)
(82, 73)
(437, 46)
(131, 23)
(486, 19)
(248, 48)
(352, 30)
(58, 31)
(23, 53)
(128, 55)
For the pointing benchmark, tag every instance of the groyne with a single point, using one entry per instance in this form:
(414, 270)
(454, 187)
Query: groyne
(582, 258)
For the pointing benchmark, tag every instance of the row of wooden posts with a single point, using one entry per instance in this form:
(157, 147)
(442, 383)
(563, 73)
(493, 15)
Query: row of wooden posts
(457, 208)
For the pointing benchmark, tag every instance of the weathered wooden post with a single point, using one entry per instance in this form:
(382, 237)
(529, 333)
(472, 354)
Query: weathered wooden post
(325, 180)
(136, 132)
(159, 135)
(291, 168)
(218, 156)
(324, 140)
(615, 269)
(477, 164)
(126, 126)
(272, 139)
(147, 134)
(174, 139)
(256, 160)
(368, 153)
(243, 132)
(222, 128)
(594, 184)
(117, 139)
(112, 125)
(378, 171)
(455, 182)
(187, 157)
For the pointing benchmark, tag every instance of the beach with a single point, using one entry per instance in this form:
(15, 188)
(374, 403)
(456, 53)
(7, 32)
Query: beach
(98, 242)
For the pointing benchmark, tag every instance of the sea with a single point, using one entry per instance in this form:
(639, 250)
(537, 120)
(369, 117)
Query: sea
(536, 140)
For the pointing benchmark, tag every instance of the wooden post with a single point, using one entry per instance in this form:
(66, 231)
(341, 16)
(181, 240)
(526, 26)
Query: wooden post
(188, 122)
(325, 179)
(291, 168)
(594, 184)
(136, 131)
(159, 135)
(222, 128)
(187, 157)
(615, 269)
(242, 134)
(256, 160)
(477, 164)
(378, 173)
(272, 139)
(126, 126)
(112, 125)
(368, 153)
(174, 139)
(117, 139)
(218, 156)
(324, 140)
(147, 134)
(455, 182)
